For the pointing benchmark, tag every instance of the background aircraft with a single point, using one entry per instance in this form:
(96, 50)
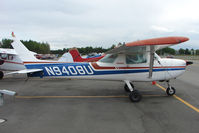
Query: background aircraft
(10, 61)
(77, 57)
(131, 62)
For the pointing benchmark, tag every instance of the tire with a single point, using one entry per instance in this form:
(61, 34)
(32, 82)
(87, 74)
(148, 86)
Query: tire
(170, 91)
(1, 75)
(135, 96)
(126, 88)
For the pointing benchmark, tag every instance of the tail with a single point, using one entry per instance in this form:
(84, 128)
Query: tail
(76, 56)
(22, 51)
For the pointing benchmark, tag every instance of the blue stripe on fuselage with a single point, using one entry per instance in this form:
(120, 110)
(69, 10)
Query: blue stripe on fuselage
(85, 69)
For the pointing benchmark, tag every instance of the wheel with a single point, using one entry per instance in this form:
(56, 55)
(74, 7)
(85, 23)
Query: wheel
(135, 96)
(170, 91)
(126, 88)
(1, 75)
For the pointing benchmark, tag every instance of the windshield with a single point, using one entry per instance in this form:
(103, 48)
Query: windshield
(109, 58)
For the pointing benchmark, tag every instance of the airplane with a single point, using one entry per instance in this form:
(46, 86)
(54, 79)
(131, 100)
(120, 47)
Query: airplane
(77, 57)
(9, 61)
(131, 62)
(92, 55)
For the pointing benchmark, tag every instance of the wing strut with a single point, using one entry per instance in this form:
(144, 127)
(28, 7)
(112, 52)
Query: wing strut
(152, 50)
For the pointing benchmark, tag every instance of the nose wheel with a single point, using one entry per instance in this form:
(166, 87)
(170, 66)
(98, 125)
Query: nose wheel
(170, 90)
(134, 95)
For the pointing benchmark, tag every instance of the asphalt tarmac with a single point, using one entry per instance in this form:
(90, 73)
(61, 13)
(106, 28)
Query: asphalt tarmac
(89, 106)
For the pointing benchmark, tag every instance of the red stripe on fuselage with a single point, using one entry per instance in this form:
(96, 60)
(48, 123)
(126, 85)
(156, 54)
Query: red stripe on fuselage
(14, 62)
(43, 62)
(96, 66)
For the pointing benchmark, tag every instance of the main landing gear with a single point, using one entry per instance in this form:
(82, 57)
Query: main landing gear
(170, 90)
(134, 95)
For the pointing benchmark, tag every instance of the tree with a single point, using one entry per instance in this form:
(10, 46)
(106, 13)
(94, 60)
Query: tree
(197, 51)
(187, 52)
(166, 50)
(192, 51)
(40, 48)
(181, 51)
(6, 43)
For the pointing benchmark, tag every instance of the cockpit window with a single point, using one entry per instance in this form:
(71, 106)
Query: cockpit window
(136, 58)
(10, 57)
(4, 56)
(109, 58)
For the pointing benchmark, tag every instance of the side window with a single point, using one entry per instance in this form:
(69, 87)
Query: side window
(10, 57)
(136, 58)
(109, 58)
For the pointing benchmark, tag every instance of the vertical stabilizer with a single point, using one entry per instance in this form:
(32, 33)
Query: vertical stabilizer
(76, 56)
(22, 51)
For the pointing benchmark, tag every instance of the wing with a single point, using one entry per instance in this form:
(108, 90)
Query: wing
(25, 71)
(149, 45)
(157, 43)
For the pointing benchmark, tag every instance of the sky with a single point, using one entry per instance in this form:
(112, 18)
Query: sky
(81, 23)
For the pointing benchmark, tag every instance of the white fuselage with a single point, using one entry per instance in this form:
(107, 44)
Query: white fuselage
(163, 69)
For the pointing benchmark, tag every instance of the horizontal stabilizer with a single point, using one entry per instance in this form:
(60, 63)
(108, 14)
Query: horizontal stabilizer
(25, 71)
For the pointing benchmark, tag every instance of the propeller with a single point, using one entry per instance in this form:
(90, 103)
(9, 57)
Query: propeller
(189, 62)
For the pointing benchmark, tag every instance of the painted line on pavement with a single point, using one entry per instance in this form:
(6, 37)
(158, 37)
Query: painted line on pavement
(180, 99)
(121, 96)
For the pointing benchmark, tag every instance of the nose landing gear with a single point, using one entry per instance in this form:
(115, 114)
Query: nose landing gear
(170, 90)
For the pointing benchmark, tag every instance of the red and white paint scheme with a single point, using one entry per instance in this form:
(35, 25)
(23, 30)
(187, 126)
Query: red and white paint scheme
(130, 62)
(77, 57)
